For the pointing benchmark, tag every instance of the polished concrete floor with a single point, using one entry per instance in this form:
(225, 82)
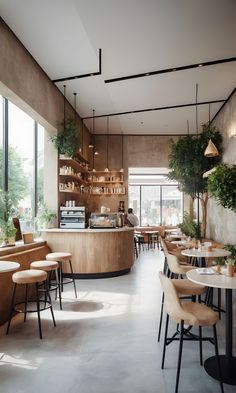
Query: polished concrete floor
(104, 342)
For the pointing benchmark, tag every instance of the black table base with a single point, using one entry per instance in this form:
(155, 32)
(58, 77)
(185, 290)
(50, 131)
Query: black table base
(228, 369)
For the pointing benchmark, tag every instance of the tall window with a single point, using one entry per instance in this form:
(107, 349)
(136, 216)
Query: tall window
(1, 142)
(21, 165)
(155, 199)
(25, 162)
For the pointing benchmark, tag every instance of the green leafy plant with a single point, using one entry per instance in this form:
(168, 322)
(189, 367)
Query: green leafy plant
(67, 140)
(232, 249)
(222, 185)
(7, 228)
(45, 216)
(187, 164)
(189, 226)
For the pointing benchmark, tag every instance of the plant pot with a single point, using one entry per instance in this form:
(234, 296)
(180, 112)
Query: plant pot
(230, 270)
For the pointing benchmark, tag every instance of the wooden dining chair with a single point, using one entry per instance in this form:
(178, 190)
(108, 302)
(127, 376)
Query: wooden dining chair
(187, 313)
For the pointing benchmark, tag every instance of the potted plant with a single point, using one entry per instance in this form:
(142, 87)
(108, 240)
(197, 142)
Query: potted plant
(187, 165)
(67, 141)
(7, 228)
(45, 217)
(189, 226)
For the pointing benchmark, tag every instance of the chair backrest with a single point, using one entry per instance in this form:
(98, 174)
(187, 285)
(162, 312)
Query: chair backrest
(172, 303)
(173, 264)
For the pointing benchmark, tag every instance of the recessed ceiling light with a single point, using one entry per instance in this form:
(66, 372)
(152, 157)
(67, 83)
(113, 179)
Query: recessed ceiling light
(199, 65)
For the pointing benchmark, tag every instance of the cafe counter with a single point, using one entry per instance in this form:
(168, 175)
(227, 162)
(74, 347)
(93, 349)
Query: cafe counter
(96, 253)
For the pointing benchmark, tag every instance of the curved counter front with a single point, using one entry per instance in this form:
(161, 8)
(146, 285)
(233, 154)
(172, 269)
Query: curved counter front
(96, 253)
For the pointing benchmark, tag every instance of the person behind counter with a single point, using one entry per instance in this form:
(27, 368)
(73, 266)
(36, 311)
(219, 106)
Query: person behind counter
(132, 219)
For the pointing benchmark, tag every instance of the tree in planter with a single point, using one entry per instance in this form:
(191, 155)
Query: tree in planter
(222, 185)
(67, 141)
(188, 163)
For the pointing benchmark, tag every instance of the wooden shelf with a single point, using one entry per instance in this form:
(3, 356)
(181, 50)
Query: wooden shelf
(76, 178)
(73, 163)
(108, 193)
(107, 182)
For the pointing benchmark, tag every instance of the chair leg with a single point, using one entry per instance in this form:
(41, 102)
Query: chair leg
(38, 309)
(164, 344)
(161, 316)
(59, 287)
(219, 302)
(60, 275)
(26, 301)
(11, 308)
(218, 358)
(73, 279)
(200, 344)
(180, 355)
(50, 301)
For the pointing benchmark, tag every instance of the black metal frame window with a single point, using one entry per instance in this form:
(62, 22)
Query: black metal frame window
(154, 205)
(7, 167)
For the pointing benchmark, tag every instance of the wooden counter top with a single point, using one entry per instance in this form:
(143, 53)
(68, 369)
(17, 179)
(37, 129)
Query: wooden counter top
(88, 230)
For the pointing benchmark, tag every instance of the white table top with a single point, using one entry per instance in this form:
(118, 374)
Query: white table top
(6, 266)
(212, 280)
(171, 230)
(215, 253)
(181, 243)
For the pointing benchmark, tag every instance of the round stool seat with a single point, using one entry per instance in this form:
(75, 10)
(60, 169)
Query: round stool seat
(59, 256)
(29, 276)
(47, 266)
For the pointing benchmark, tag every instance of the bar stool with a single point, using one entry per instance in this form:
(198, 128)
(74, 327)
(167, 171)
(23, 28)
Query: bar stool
(26, 277)
(62, 257)
(49, 267)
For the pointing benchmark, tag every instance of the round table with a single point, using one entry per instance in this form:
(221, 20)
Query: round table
(227, 361)
(5, 267)
(200, 255)
(184, 243)
(150, 234)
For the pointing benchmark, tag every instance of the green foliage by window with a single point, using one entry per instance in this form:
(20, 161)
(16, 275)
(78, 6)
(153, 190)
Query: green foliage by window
(7, 211)
(187, 162)
(67, 141)
(222, 185)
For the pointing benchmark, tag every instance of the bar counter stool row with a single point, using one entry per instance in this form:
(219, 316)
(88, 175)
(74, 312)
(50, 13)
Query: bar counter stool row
(47, 276)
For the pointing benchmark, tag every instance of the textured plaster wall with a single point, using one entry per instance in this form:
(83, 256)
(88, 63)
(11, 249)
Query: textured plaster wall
(24, 83)
(221, 223)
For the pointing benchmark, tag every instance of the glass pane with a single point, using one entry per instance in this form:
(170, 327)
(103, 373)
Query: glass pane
(134, 199)
(1, 140)
(40, 185)
(150, 205)
(21, 166)
(172, 205)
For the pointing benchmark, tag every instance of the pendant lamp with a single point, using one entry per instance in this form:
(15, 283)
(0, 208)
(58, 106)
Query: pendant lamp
(75, 114)
(91, 145)
(122, 153)
(211, 150)
(106, 169)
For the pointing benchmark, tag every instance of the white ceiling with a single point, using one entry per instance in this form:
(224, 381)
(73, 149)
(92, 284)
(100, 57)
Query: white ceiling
(136, 36)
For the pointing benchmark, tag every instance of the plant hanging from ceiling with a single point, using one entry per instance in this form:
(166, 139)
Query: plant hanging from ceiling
(67, 140)
(222, 185)
(187, 164)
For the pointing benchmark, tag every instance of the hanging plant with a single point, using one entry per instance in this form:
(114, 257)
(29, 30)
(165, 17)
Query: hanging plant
(67, 141)
(222, 185)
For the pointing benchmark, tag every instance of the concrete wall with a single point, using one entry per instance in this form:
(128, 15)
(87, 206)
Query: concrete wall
(221, 222)
(24, 83)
